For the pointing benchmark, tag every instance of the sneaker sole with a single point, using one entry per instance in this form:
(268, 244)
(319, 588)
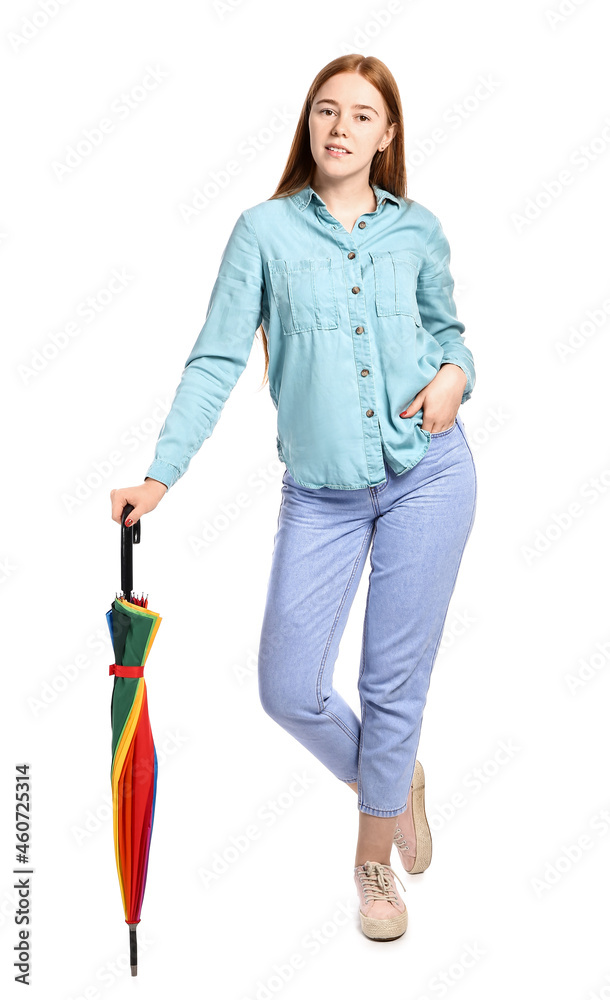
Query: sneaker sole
(384, 930)
(420, 820)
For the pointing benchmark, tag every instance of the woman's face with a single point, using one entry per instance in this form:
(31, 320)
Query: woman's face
(348, 112)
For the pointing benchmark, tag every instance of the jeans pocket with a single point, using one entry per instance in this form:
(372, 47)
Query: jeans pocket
(448, 430)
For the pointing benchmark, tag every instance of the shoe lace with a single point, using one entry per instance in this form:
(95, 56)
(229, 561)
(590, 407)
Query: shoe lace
(376, 881)
(399, 840)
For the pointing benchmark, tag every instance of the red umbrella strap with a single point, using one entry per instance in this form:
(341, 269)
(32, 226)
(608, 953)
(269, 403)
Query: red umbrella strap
(124, 671)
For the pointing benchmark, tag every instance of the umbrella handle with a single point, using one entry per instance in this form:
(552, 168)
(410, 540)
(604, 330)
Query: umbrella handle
(133, 949)
(129, 537)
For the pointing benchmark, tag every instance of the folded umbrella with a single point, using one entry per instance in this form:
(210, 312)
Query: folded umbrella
(133, 774)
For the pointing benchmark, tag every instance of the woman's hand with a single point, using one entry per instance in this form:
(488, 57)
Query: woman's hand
(441, 398)
(143, 498)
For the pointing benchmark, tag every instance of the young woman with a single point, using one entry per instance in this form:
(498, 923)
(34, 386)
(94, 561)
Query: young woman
(349, 280)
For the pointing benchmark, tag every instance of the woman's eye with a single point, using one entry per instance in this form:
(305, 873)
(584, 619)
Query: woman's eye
(323, 111)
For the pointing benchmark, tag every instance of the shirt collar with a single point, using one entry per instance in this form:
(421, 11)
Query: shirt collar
(303, 197)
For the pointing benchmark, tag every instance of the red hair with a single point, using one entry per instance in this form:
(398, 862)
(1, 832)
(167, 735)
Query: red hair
(388, 168)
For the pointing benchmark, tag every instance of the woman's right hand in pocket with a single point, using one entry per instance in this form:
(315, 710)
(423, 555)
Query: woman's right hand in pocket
(143, 498)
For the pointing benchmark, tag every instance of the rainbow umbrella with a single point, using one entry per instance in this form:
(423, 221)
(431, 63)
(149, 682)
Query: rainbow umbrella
(133, 627)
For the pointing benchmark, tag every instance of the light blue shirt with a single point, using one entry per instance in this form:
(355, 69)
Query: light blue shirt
(357, 324)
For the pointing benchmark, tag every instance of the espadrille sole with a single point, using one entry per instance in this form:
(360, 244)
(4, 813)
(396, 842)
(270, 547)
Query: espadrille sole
(384, 930)
(420, 821)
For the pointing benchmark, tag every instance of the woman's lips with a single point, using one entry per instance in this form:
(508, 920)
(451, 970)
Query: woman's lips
(334, 152)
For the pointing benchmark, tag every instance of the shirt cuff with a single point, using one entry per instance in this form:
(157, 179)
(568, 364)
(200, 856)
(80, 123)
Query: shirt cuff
(163, 471)
(467, 372)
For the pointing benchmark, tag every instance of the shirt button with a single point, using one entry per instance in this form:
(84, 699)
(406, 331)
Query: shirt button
(359, 329)
(361, 225)
(355, 289)
(364, 371)
(370, 413)
(351, 255)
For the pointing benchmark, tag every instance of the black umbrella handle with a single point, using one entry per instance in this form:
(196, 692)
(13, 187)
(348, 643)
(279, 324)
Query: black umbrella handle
(133, 949)
(129, 537)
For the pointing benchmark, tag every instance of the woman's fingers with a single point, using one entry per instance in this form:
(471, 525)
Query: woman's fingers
(143, 499)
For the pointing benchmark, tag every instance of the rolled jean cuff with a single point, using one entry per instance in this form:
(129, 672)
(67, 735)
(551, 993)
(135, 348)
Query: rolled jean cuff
(387, 813)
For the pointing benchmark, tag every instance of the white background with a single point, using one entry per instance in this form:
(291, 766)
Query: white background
(530, 609)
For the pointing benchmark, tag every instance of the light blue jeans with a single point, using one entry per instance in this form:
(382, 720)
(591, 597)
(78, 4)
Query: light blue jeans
(416, 526)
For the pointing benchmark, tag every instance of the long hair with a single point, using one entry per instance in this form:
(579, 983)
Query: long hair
(388, 168)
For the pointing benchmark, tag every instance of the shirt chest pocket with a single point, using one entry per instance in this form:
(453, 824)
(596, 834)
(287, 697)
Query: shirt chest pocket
(305, 294)
(396, 274)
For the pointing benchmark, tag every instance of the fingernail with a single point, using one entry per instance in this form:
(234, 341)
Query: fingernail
(127, 522)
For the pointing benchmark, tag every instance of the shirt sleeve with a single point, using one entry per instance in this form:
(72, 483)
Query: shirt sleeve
(437, 306)
(218, 356)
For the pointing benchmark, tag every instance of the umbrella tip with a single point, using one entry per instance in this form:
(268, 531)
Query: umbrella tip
(134, 970)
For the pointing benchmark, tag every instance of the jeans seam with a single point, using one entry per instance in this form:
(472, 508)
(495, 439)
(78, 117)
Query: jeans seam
(341, 725)
(474, 469)
(366, 611)
(381, 487)
(362, 664)
(362, 718)
(335, 620)
(467, 443)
